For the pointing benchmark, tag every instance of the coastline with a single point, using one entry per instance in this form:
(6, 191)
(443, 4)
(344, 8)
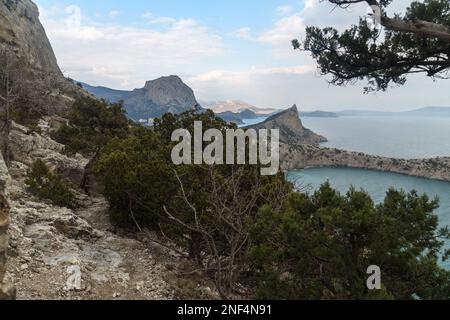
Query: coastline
(298, 157)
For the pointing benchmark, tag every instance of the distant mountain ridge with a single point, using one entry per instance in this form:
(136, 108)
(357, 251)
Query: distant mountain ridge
(320, 114)
(236, 106)
(423, 112)
(156, 98)
(111, 95)
(231, 117)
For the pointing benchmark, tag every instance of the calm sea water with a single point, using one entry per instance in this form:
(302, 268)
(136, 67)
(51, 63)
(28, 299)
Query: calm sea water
(249, 122)
(399, 137)
(376, 184)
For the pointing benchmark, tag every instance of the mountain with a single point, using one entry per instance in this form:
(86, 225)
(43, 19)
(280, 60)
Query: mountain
(106, 93)
(157, 97)
(21, 32)
(28, 63)
(430, 112)
(31, 63)
(237, 111)
(292, 131)
(231, 117)
(422, 112)
(365, 113)
(320, 114)
(236, 106)
(237, 118)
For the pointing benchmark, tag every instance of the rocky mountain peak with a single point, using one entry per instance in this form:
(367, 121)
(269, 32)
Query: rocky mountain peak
(21, 32)
(170, 91)
(294, 108)
(291, 128)
(157, 97)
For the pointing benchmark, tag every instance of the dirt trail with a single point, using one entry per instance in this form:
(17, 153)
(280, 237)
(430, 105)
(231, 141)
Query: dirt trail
(58, 253)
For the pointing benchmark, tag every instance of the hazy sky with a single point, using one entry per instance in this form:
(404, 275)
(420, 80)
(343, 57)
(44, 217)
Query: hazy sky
(223, 49)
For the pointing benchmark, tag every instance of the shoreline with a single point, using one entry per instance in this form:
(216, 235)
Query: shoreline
(366, 169)
(299, 157)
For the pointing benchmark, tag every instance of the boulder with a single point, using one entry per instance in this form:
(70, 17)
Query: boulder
(27, 146)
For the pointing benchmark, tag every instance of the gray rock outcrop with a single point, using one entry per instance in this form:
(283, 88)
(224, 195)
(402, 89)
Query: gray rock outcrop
(291, 128)
(7, 291)
(157, 97)
(21, 31)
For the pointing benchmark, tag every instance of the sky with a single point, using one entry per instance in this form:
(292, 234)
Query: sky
(223, 49)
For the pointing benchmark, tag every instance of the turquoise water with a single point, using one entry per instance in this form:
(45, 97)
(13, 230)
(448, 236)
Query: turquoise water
(376, 184)
(249, 122)
(400, 137)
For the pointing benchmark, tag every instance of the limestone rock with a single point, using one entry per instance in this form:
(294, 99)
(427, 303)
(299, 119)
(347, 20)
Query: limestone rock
(7, 291)
(291, 128)
(4, 223)
(21, 31)
(170, 92)
(34, 72)
(160, 96)
(27, 146)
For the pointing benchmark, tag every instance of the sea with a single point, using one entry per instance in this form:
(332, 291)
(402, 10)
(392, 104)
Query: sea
(400, 137)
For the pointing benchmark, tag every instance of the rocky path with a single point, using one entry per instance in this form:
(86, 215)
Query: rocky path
(57, 253)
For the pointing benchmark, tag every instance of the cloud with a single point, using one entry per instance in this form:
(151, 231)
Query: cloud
(157, 20)
(262, 86)
(121, 56)
(113, 13)
(247, 75)
(283, 88)
(283, 10)
(242, 33)
(310, 4)
(114, 55)
(283, 31)
(292, 24)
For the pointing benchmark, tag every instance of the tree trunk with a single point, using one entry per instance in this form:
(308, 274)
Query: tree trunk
(420, 27)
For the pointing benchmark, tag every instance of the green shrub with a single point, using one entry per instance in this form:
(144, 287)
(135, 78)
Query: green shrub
(93, 123)
(320, 246)
(242, 227)
(49, 185)
(137, 171)
(209, 208)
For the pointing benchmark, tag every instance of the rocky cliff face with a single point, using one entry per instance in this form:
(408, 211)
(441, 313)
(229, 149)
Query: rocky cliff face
(291, 128)
(171, 92)
(21, 31)
(157, 97)
(7, 291)
(27, 57)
